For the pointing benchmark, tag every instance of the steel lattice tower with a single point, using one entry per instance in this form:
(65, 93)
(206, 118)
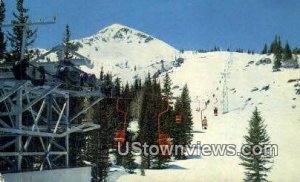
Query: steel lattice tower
(226, 76)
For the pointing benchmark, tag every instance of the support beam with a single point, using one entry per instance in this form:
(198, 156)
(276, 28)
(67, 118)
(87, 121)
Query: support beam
(4, 124)
(8, 144)
(18, 144)
(43, 95)
(35, 125)
(9, 154)
(12, 91)
(28, 133)
(81, 128)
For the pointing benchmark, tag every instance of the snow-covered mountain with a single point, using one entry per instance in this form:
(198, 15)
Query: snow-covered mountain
(125, 52)
(119, 49)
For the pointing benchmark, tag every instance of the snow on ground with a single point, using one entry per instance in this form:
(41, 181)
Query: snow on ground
(1, 178)
(203, 74)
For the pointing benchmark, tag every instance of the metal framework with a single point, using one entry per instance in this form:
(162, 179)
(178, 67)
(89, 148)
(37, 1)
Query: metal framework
(226, 75)
(40, 114)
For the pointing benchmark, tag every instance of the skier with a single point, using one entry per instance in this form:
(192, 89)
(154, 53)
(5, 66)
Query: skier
(204, 123)
(216, 111)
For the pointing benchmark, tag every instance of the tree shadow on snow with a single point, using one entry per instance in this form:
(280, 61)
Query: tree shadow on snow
(197, 131)
(173, 166)
(194, 157)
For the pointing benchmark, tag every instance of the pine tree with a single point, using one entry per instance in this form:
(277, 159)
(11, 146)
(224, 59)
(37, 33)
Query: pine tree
(136, 85)
(265, 50)
(77, 140)
(98, 142)
(148, 119)
(275, 47)
(287, 53)
(16, 36)
(101, 74)
(183, 131)
(168, 121)
(106, 86)
(2, 41)
(187, 114)
(256, 163)
(277, 61)
(126, 91)
(161, 161)
(279, 47)
(117, 84)
(128, 160)
(67, 43)
(167, 87)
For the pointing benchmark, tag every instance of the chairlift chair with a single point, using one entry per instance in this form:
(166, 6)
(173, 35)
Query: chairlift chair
(164, 139)
(178, 118)
(120, 135)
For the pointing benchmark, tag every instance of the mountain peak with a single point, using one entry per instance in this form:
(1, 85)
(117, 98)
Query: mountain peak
(116, 26)
(118, 32)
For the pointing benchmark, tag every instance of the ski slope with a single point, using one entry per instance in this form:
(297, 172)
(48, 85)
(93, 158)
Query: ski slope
(279, 106)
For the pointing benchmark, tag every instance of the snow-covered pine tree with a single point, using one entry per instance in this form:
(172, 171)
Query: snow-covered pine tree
(16, 36)
(2, 41)
(256, 166)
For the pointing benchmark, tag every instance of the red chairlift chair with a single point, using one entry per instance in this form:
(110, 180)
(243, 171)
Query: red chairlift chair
(120, 135)
(164, 139)
(178, 118)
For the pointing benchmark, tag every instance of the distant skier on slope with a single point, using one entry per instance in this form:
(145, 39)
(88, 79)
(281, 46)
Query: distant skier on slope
(204, 123)
(216, 111)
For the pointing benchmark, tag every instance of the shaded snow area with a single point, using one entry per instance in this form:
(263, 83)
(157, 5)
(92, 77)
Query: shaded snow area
(249, 85)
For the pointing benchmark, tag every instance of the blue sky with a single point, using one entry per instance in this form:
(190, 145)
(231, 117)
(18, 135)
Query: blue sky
(184, 24)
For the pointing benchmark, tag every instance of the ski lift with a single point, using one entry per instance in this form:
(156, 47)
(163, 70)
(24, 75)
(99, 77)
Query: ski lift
(120, 135)
(164, 139)
(178, 118)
